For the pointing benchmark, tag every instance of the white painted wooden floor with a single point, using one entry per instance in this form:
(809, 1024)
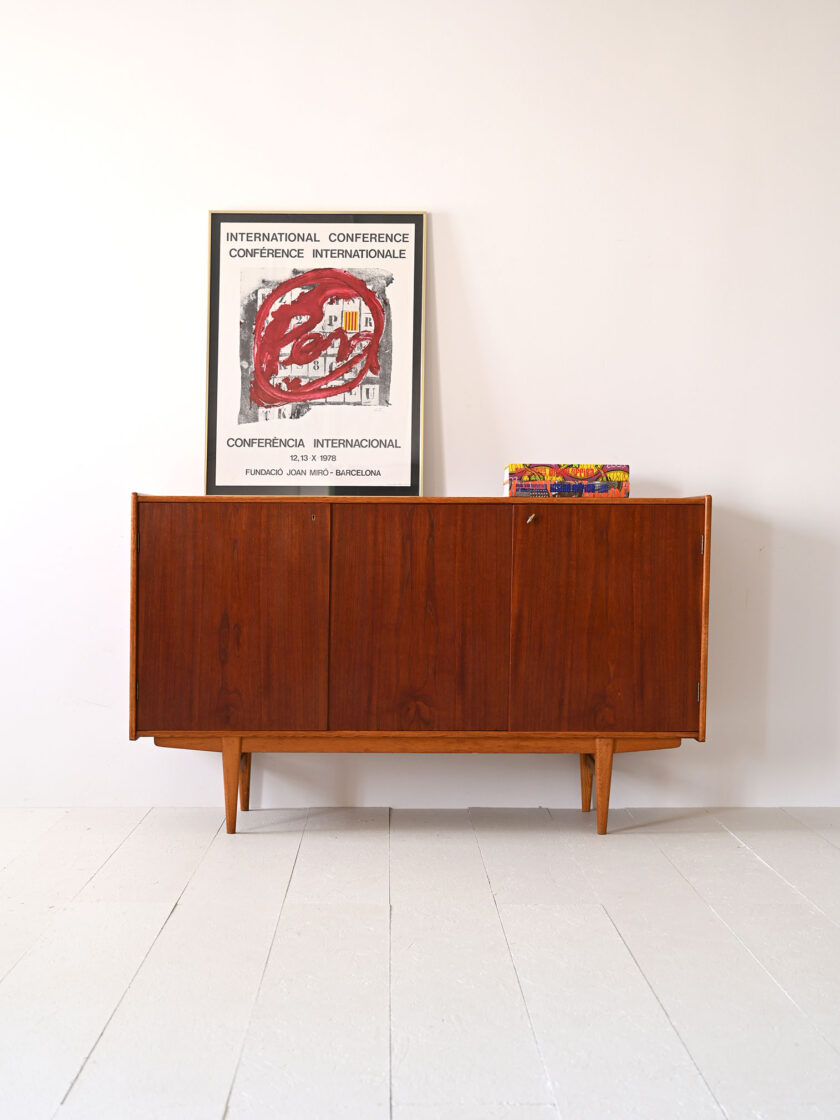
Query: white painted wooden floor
(482, 965)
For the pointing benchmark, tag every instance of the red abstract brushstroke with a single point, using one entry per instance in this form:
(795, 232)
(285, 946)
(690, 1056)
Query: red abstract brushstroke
(277, 327)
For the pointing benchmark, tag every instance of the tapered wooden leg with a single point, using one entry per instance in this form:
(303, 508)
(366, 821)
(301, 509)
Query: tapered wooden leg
(245, 781)
(604, 749)
(587, 767)
(231, 755)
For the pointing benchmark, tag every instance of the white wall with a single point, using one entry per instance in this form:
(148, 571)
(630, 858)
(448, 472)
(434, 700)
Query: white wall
(662, 176)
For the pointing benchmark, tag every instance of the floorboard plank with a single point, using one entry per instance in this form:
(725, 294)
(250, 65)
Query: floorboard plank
(584, 993)
(825, 821)
(526, 858)
(56, 866)
(597, 1022)
(57, 999)
(171, 1048)
(343, 858)
(318, 1041)
(460, 1030)
(20, 828)
(804, 857)
(475, 1112)
(733, 871)
(435, 859)
(757, 1052)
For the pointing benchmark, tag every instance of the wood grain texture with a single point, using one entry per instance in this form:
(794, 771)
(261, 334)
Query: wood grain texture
(607, 618)
(232, 616)
(625, 745)
(416, 742)
(245, 782)
(190, 742)
(587, 769)
(704, 644)
(132, 670)
(419, 632)
(231, 763)
(604, 750)
(375, 499)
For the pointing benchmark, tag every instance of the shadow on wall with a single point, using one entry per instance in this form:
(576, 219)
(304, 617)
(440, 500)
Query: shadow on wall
(411, 781)
(736, 711)
(802, 705)
(316, 779)
(454, 387)
(773, 665)
(739, 635)
(773, 670)
(432, 427)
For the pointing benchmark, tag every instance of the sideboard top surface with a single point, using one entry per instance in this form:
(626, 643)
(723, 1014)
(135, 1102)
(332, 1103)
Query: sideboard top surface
(401, 500)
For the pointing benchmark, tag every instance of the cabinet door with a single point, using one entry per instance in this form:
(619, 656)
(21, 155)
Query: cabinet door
(607, 618)
(420, 632)
(232, 616)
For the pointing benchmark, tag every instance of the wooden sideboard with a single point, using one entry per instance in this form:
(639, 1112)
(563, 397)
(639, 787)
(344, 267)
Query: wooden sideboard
(576, 626)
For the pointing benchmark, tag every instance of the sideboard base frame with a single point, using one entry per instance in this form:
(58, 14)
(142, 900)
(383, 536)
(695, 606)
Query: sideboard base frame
(596, 754)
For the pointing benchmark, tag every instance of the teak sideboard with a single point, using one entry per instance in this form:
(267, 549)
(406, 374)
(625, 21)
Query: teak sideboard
(575, 626)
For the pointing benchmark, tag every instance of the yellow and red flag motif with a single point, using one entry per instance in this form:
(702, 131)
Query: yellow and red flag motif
(350, 321)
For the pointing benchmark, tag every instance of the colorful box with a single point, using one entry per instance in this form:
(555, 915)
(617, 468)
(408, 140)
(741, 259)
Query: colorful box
(567, 480)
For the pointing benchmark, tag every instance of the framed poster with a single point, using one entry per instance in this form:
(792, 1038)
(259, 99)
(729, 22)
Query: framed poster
(315, 354)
